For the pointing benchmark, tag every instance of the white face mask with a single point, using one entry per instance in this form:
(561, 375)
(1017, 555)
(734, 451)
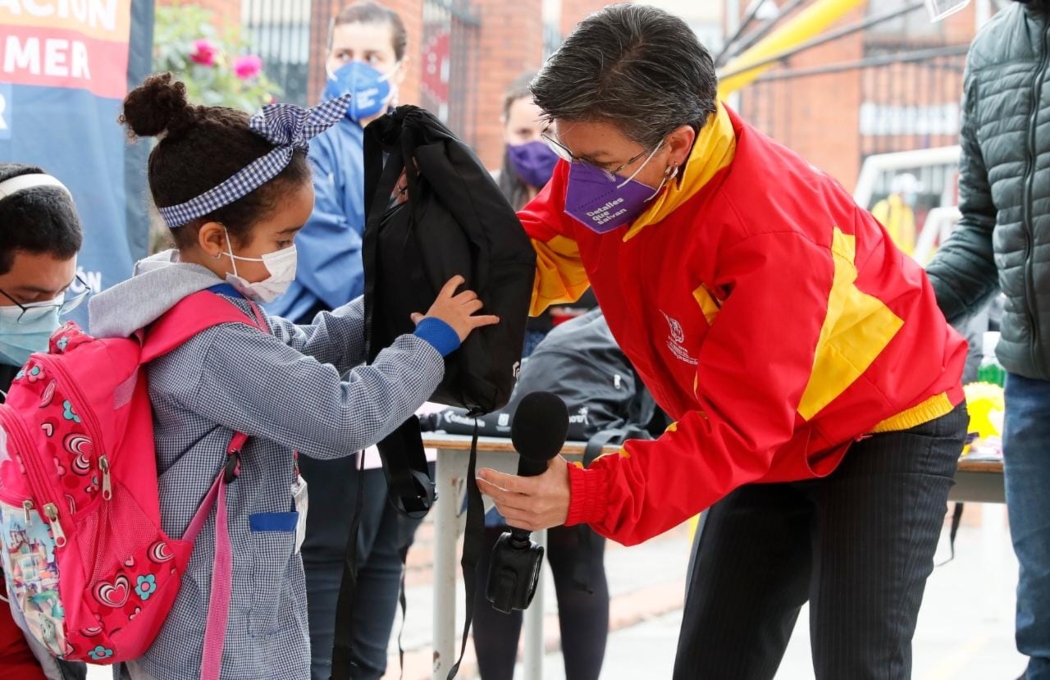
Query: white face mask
(281, 265)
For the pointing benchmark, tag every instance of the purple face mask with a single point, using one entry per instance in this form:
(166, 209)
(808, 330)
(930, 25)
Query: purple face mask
(533, 161)
(603, 202)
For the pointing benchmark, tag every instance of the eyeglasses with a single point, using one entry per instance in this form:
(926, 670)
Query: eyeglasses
(563, 153)
(34, 311)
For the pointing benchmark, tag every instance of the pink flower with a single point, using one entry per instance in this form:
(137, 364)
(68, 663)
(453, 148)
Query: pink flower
(203, 52)
(247, 67)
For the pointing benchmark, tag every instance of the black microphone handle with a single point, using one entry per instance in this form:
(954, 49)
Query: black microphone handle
(522, 538)
(531, 467)
(527, 467)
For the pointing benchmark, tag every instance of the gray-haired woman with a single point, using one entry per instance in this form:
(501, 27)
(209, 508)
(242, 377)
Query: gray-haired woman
(815, 384)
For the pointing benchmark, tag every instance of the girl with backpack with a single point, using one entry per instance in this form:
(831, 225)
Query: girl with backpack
(235, 191)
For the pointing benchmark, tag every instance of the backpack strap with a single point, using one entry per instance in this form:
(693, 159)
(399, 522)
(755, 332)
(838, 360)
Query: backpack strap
(222, 564)
(404, 460)
(191, 315)
(957, 514)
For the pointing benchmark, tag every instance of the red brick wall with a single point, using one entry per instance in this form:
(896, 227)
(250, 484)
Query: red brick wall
(824, 110)
(510, 42)
(818, 116)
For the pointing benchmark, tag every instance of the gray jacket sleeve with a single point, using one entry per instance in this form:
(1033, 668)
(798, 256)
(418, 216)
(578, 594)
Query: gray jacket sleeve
(963, 272)
(336, 337)
(265, 387)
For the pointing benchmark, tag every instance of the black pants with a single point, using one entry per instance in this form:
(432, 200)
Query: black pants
(383, 535)
(858, 545)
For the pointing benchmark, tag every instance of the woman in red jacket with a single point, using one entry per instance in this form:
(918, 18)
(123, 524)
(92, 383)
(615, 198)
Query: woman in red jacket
(815, 384)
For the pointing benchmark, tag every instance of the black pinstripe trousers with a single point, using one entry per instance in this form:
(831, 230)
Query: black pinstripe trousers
(857, 545)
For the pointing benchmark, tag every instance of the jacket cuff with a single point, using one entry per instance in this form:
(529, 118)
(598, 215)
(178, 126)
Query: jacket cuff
(588, 495)
(438, 335)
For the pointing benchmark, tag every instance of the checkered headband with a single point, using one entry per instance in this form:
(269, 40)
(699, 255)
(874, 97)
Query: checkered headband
(289, 127)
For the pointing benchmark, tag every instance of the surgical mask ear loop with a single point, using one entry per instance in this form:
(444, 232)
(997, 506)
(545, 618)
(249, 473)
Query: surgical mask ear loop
(229, 248)
(390, 74)
(635, 174)
(669, 174)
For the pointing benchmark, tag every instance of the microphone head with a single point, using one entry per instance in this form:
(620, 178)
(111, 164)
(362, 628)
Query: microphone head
(541, 424)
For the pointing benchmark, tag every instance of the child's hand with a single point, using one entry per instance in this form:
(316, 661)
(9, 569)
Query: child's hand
(458, 309)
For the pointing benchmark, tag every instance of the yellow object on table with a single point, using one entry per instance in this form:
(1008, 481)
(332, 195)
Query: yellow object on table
(987, 407)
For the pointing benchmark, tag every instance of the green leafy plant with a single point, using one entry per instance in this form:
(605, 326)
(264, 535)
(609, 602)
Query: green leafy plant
(212, 62)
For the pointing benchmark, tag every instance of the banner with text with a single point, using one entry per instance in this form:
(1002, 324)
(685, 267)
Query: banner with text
(65, 66)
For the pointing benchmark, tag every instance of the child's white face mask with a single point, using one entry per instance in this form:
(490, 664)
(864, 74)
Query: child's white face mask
(281, 265)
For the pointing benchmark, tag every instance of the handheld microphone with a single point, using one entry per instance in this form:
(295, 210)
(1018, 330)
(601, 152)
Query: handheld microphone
(538, 432)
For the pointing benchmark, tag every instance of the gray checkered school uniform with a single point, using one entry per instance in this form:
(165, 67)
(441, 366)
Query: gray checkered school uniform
(285, 391)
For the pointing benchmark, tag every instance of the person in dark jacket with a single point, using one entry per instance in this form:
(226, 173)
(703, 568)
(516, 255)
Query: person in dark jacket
(367, 55)
(1002, 244)
(39, 239)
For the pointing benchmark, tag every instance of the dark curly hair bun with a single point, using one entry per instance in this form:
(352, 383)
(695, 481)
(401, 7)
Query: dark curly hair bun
(158, 106)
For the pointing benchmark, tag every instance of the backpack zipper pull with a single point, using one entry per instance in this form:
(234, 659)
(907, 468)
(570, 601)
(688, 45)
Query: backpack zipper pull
(107, 488)
(51, 510)
(27, 507)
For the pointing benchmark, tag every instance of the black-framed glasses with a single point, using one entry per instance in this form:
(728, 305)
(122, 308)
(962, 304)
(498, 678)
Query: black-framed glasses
(38, 310)
(563, 153)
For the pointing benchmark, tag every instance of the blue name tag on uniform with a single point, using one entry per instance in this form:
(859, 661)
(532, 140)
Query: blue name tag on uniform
(274, 521)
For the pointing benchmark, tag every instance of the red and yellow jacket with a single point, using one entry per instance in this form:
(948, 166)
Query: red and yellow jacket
(768, 314)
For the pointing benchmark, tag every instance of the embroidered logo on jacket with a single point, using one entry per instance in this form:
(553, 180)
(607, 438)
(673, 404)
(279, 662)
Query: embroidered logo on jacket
(675, 340)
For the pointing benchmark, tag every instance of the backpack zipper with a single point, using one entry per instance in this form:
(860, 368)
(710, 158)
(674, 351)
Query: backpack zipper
(51, 511)
(107, 488)
(38, 480)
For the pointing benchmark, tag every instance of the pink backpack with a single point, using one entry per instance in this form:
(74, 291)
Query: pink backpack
(87, 563)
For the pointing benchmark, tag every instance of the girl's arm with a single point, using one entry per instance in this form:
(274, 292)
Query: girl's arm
(336, 337)
(264, 387)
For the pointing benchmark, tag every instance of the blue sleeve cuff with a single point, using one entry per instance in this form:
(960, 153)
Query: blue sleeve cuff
(438, 334)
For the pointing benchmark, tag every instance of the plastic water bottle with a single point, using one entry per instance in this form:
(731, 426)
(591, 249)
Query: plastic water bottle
(990, 370)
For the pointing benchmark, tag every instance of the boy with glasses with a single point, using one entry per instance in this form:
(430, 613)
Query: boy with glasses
(40, 236)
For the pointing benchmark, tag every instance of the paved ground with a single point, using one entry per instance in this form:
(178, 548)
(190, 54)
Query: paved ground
(965, 628)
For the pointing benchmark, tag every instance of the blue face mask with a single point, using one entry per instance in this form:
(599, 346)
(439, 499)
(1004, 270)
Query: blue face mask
(20, 339)
(370, 90)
